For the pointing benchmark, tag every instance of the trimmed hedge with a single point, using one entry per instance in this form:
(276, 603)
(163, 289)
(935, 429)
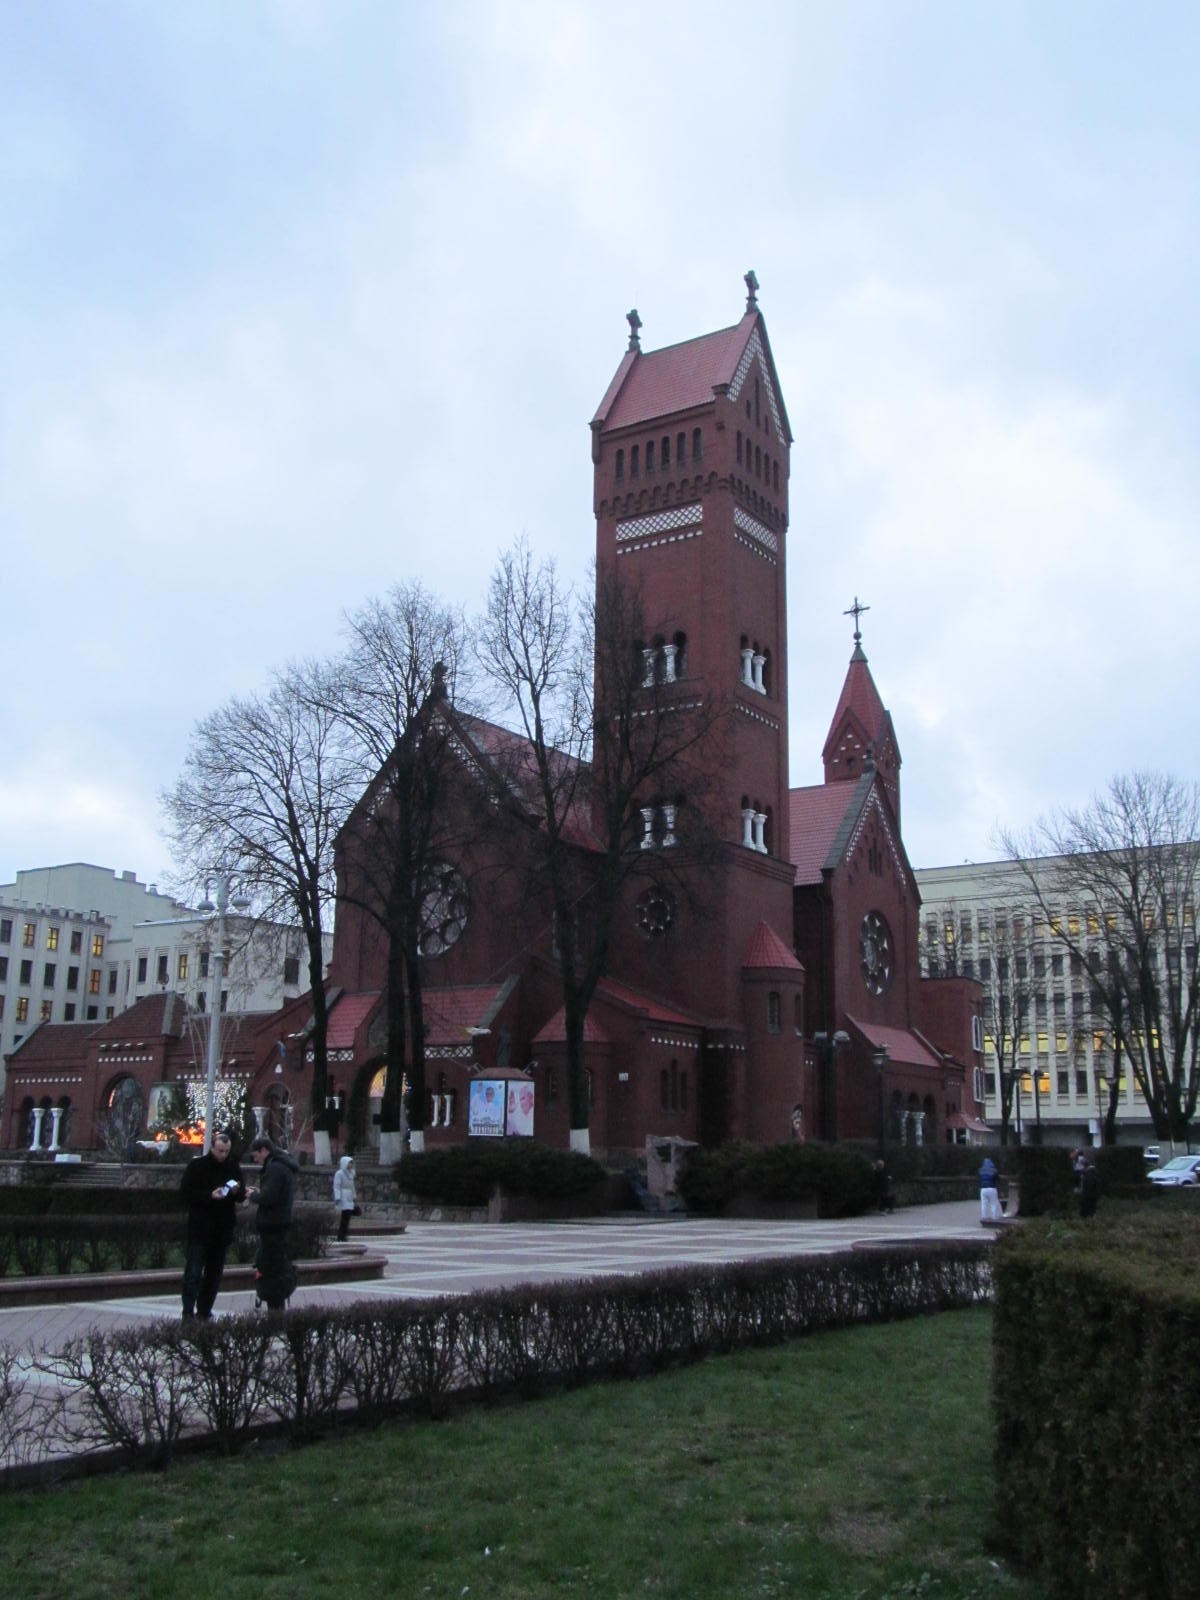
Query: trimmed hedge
(1047, 1178)
(839, 1180)
(1096, 1391)
(142, 1391)
(33, 1246)
(91, 1200)
(466, 1174)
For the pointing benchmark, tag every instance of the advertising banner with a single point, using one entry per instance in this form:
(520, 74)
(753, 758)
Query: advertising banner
(520, 1110)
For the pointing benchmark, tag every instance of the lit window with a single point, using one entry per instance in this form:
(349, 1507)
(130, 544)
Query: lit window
(97, 944)
(22, 1009)
(47, 1008)
(183, 965)
(29, 936)
(51, 938)
(94, 981)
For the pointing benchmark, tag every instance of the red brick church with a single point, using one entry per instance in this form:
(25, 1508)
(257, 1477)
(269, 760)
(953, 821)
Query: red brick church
(783, 998)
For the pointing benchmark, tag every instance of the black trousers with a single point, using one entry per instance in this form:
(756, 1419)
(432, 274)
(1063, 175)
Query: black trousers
(274, 1274)
(203, 1266)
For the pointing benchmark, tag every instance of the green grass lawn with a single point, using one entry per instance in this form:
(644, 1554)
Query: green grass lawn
(848, 1466)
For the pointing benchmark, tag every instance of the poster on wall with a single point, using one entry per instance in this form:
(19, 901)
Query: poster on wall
(485, 1111)
(520, 1110)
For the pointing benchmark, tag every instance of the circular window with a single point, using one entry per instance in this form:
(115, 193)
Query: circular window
(444, 908)
(875, 945)
(656, 911)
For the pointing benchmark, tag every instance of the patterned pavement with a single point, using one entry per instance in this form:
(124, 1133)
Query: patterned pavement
(433, 1258)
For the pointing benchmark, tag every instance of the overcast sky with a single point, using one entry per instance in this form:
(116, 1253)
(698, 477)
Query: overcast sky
(299, 298)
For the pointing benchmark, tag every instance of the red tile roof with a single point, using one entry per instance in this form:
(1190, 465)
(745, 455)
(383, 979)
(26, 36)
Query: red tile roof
(555, 1031)
(859, 698)
(650, 1007)
(349, 1012)
(64, 1042)
(655, 383)
(449, 1013)
(814, 817)
(901, 1045)
(767, 949)
(148, 1018)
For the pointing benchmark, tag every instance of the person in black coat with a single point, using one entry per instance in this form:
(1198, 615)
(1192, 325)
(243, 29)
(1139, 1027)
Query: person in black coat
(274, 1274)
(211, 1188)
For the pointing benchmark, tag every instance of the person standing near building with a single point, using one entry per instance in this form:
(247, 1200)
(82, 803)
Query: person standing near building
(274, 1274)
(211, 1189)
(989, 1192)
(344, 1197)
(1089, 1188)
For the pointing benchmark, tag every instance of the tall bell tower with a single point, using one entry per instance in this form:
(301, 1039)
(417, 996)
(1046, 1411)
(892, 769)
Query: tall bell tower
(691, 452)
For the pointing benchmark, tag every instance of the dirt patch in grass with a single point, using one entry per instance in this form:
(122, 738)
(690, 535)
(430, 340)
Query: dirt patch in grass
(864, 1533)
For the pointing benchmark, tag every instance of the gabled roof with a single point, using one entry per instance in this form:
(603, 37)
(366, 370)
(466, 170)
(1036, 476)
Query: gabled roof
(901, 1045)
(450, 1013)
(651, 384)
(626, 999)
(154, 1016)
(767, 949)
(349, 1012)
(52, 1041)
(817, 819)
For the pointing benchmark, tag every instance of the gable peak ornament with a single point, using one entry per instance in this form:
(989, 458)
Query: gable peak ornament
(635, 324)
(751, 282)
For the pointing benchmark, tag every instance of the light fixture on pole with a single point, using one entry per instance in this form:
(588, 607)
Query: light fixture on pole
(828, 1045)
(880, 1060)
(216, 972)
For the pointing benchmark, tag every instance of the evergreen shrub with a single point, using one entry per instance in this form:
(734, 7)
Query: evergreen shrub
(466, 1174)
(1096, 1392)
(838, 1179)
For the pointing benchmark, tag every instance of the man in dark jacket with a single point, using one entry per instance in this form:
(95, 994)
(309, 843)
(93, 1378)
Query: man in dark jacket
(274, 1274)
(211, 1188)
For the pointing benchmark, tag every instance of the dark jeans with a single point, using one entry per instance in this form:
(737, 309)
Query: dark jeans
(274, 1274)
(344, 1224)
(203, 1264)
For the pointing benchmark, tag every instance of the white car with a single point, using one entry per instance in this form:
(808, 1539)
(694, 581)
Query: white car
(1179, 1170)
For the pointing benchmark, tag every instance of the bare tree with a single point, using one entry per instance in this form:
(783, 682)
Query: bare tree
(1119, 884)
(609, 751)
(265, 788)
(405, 656)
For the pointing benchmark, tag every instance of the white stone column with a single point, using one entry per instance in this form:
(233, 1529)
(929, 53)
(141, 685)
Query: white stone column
(757, 682)
(748, 828)
(760, 823)
(648, 824)
(669, 825)
(669, 653)
(56, 1116)
(647, 667)
(35, 1138)
(919, 1126)
(747, 666)
(260, 1120)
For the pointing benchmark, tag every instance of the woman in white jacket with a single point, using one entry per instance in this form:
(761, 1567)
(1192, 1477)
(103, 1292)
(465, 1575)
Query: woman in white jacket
(343, 1194)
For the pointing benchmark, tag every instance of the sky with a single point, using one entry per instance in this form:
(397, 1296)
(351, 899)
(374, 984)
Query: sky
(302, 298)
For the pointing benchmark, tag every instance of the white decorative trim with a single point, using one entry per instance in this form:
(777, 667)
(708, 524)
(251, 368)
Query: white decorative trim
(450, 1052)
(874, 804)
(752, 351)
(660, 522)
(757, 716)
(755, 549)
(674, 1044)
(756, 530)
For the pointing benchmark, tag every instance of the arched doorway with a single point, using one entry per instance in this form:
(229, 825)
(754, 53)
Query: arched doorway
(123, 1116)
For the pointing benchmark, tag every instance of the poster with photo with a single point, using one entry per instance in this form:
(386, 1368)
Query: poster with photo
(520, 1110)
(485, 1111)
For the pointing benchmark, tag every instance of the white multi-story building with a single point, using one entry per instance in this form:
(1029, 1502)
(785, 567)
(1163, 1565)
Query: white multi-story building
(983, 912)
(78, 943)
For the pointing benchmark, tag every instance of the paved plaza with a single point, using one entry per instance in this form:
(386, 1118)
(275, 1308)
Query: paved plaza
(432, 1258)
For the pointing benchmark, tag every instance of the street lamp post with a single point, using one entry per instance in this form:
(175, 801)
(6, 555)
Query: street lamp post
(216, 974)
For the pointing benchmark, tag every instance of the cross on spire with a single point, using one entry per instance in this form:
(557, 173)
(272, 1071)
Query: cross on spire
(856, 611)
(635, 323)
(751, 283)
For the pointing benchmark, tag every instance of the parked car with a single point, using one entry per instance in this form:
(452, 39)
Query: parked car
(1151, 1155)
(1179, 1170)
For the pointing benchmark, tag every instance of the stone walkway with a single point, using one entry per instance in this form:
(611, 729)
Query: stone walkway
(431, 1259)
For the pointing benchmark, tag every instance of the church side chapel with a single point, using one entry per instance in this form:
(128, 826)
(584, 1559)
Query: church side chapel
(761, 979)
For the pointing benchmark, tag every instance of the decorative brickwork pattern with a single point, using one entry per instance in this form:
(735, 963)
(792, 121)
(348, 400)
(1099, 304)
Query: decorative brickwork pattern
(754, 352)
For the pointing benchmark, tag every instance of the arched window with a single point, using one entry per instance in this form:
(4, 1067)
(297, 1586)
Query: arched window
(680, 643)
(633, 461)
(674, 1086)
(620, 472)
(683, 1089)
(697, 445)
(758, 461)
(774, 1012)
(680, 448)
(775, 475)
(649, 455)
(739, 447)
(666, 450)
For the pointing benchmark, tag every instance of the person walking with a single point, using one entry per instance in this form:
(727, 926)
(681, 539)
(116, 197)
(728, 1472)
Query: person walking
(274, 1274)
(1089, 1188)
(344, 1197)
(211, 1188)
(989, 1192)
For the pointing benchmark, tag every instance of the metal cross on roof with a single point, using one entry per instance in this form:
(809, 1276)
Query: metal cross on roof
(856, 611)
(751, 283)
(635, 323)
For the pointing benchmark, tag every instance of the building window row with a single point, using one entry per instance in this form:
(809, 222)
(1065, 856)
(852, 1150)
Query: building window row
(755, 666)
(655, 455)
(764, 467)
(756, 827)
(664, 660)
